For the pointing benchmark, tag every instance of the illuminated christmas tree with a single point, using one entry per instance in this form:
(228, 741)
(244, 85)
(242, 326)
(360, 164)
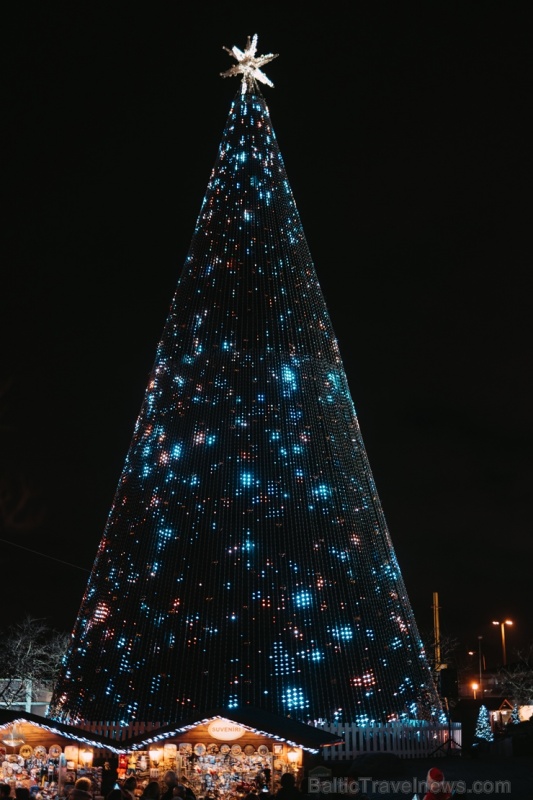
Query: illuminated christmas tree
(246, 559)
(483, 730)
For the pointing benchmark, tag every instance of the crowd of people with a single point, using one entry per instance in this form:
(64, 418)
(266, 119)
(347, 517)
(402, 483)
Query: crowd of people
(175, 788)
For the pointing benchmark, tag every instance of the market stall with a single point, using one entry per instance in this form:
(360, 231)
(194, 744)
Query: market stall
(43, 757)
(218, 757)
(226, 758)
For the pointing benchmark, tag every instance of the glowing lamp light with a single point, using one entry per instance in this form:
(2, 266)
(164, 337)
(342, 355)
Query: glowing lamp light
(293, 757)
(71, 752)
(156, 755)
(170, 751)
(14, 738)
(86, 757)
(502, 632)
(475, 687)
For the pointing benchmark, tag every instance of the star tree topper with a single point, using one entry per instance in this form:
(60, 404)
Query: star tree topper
(248, 64)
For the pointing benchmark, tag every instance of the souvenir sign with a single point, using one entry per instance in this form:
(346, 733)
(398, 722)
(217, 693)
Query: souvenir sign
(225, 729)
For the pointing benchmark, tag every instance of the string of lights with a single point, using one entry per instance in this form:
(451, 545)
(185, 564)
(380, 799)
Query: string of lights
(246, 560)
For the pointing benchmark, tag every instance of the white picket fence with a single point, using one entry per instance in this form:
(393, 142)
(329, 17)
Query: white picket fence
(420, 740)
(416, 740)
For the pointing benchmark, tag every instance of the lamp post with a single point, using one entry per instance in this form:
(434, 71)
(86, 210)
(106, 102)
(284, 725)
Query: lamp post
(293, 757)
(480, 658)
(481, 663)
(156, 756)
(502, 630)
(475, 687)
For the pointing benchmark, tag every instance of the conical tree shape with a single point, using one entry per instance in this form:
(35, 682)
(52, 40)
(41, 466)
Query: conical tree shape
(246, 559)
(483, 728)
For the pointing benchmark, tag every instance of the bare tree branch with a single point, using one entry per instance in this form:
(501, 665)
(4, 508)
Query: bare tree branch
(30, 658)
(516, 681)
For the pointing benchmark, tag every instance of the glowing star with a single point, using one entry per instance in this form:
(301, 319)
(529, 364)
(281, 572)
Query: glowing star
(248, 65)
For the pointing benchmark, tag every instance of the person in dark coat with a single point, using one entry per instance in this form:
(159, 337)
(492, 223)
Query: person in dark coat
(82, 790)
(129, 787)
(109, 776)
(152, 791)
(288, 789)
(189, 794)
(170, 779)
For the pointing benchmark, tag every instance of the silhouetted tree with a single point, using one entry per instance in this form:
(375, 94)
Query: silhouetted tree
(516, 680)
(30, 657)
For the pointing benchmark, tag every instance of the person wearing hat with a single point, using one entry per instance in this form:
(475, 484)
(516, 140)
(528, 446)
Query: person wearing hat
(435, 786)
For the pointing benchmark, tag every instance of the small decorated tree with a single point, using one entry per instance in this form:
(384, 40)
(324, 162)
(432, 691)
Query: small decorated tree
(483, 730)
(515, 715)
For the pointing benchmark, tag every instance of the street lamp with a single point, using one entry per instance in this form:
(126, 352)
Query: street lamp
(502, 630)
(475, 687)
(480, 660)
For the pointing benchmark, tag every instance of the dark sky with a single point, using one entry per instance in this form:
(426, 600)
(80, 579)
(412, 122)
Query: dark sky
(403, 131)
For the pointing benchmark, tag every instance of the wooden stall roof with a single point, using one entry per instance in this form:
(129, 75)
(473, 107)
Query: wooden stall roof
(263, 723)
(9, 717)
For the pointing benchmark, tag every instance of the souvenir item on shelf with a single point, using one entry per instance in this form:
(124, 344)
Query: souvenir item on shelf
(199, 749)
(225, 749)
(185, 748)
(55, 751)
(212, 749)
(26, 751)
(236, 749)
(249, 750)
(263, 750)
(40, 752)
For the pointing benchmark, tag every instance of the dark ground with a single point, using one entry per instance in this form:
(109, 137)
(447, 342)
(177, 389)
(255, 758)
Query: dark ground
(488, 775)
(491, 771)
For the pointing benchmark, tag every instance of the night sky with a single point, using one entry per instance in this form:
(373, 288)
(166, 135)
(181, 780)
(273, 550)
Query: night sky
(403, 131)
